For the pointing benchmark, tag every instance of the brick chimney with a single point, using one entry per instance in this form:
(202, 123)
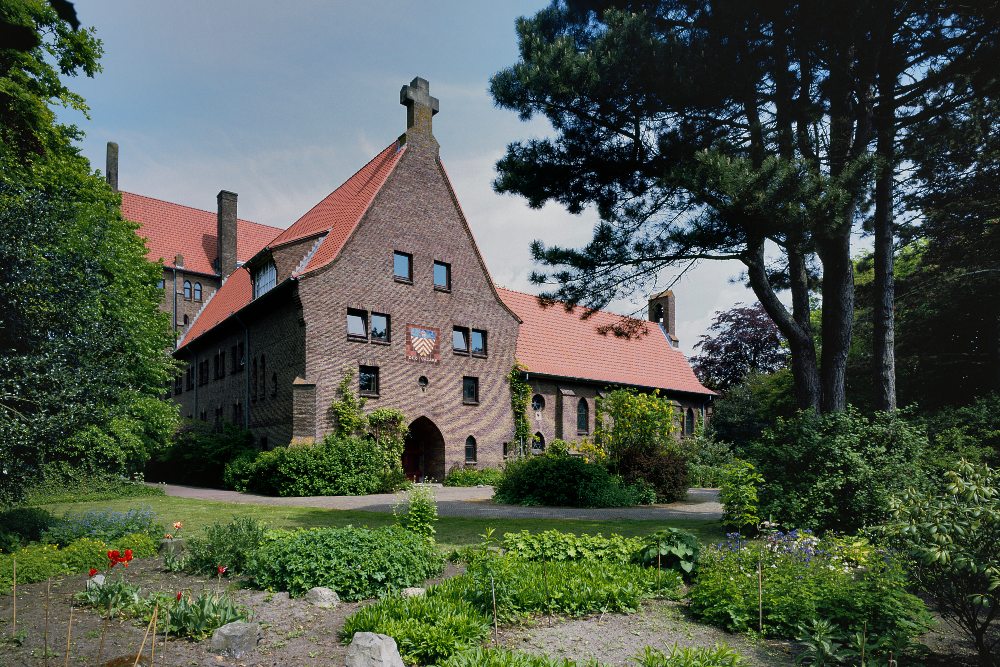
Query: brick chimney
(111, 166)
(226, 233)
(663, 311)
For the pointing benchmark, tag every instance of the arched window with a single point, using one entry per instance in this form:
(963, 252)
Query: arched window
(658, 313)
(537, 402)
(187, 290)
(582, 417)
(274, 385)
(539, 443)
(689, 422)
(470, 450)
(186, 320)
(197, 291)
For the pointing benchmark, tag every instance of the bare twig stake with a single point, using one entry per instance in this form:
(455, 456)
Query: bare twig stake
(496, 626)
(152, 644)
(166, 633)
(45, 631)
(13, 623)
(658, 567)
(760, 596)
(69, 636)
(104, 632)
(142, 646)
(545, 583)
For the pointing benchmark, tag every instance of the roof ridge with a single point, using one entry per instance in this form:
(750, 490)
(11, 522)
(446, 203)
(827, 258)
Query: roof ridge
(199, 210)
(556, 301)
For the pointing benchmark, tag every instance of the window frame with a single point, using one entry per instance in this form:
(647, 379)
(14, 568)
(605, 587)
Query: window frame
(187, 290)
(466, 332)
(372, 371)
(486, 347)
(583, 410)
(264, 279)
(408, 280)
(447, 273)
(198, 291)
(388, 329)
(690, 421)
(363, 314)
(541, 401)
(471, 442)
(474, 380)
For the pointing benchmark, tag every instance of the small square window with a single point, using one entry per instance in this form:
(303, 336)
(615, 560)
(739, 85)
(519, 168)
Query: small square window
(368, 380)
(470, 390)
(479, 342)
(442, 276)
(380, 328)
(402, 266)
(357, 324)
(460, 340)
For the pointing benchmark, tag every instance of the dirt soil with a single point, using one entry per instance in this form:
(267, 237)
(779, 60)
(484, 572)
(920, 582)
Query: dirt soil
(296, 633)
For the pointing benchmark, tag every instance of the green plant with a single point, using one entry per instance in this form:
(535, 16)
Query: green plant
(232, 545)
(21, 525)
(461, 476)
(199, 452)
(38, 562)
(952, 538)
(116, 597)
(419, 512)
(103, 525)
(630, 423)
(553, 545)
(706, 458)
(520, 398)
(62, 484)
(836, 471)
(738, 493)
(501, 657)
(662, 471)
(670, 548)
(198, 617)
(719, 655)
(785, 580)
(358, 563)
(427, 628)
(559, 480)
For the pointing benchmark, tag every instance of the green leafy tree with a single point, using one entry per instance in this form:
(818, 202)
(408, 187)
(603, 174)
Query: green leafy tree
(632, 423)
(952, 536)
(82, 341)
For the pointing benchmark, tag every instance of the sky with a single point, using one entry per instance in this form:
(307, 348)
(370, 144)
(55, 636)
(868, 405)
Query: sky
(282, 102)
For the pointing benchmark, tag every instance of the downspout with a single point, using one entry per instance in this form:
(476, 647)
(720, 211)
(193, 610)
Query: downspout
(246, 372)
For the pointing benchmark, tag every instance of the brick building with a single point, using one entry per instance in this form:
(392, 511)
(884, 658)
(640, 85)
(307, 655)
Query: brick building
(383, 279)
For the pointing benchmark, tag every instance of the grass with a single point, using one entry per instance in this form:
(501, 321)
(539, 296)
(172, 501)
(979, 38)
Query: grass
(451, 531)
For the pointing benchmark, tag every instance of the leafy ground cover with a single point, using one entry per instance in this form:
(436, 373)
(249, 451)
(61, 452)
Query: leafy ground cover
(452, 532)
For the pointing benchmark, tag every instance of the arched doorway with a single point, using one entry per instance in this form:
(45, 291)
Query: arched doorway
(423, 454)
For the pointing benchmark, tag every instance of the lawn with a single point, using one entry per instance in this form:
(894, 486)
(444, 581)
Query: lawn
(452, 531)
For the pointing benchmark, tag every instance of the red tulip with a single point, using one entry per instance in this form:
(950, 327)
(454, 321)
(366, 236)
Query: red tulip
(222, 570)
(128, 555)
(178, 596)
(93, 571)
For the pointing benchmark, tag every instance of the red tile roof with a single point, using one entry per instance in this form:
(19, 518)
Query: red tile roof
(336, 216)
(173, 229)
(554, 341)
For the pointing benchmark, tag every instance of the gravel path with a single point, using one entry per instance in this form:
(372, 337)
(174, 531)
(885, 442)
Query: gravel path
(474, 502)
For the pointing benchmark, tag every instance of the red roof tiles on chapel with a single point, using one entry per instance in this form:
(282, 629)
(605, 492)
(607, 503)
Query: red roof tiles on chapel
(173, 229)
(554, 341)
(336, 216)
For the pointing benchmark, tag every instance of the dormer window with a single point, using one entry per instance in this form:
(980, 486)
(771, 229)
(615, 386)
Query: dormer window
(264, 279)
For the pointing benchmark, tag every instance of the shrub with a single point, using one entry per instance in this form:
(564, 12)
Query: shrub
(706, 458)
(460, 476)
(630, 423)
(21, 525)
(738, 494)
(804, 580)
(419, 512)
(338, 466)
(670, 548)
(563, 481)
(501, 657)
(552, 545)
(104, 525)
(427, 628)
(665, 470)
(836, 471)
(358, 563)
(232, 545)
(719, 655)
(198, 454)
(952, 538)
(63, 484)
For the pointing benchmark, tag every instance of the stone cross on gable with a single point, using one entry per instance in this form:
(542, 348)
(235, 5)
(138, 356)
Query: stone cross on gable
(420, 106)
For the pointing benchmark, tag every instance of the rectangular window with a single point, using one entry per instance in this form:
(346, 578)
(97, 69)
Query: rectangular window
(160, 283)
(470, 390)
(238, 353)
(380, 328)
(357, 324)
(479, 342)
(189, 378)
(178, 385)
(460, 340)
(368, 380)
(203, 372)
(264, 279)
(442, 276)
(402, 266)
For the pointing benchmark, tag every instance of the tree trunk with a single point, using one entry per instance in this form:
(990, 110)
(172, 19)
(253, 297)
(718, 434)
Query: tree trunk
(800, 341)
(838, 317)
(883, 311)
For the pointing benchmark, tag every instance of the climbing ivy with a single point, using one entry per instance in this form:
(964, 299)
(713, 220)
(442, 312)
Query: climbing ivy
(520, 398)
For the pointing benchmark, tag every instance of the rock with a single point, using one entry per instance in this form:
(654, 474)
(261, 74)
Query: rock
(236, 639)
(322, 597)
(174, 547)
(368, 649)
(95, 581)
(413, 592)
